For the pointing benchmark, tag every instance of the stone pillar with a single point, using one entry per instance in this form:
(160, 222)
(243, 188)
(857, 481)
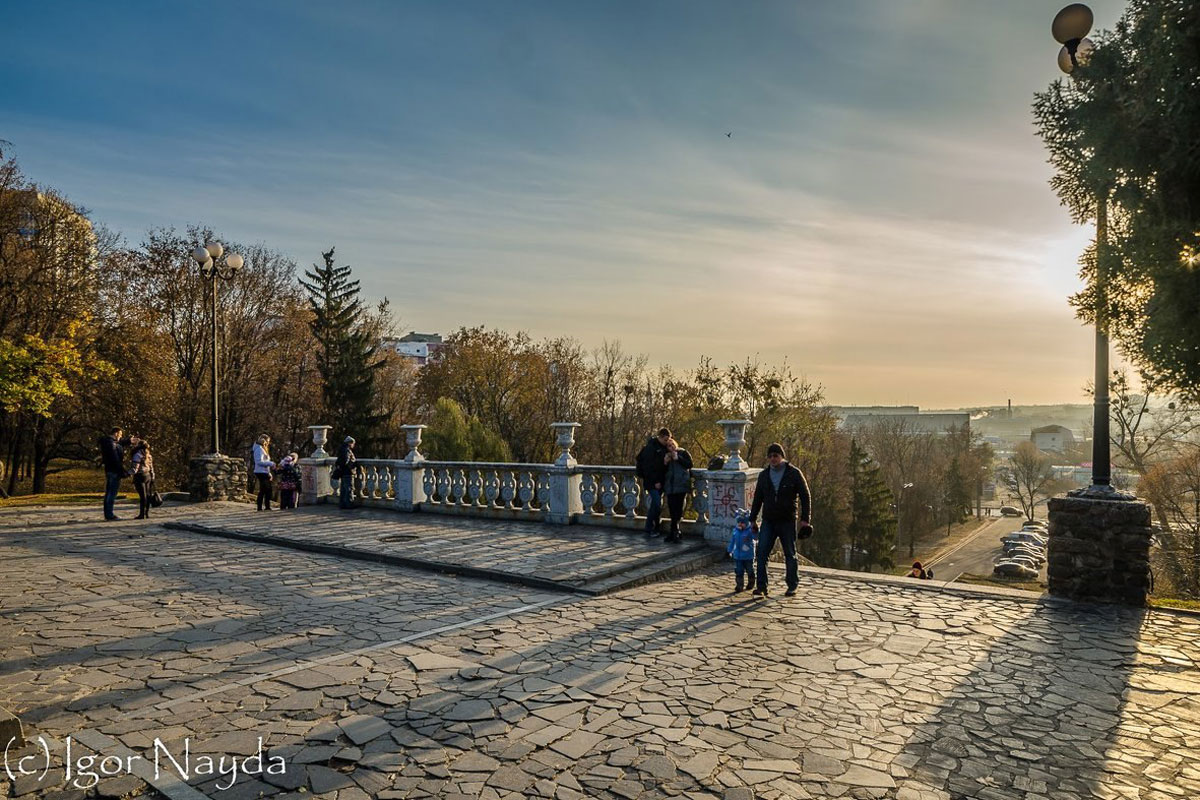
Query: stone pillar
(315, 485)
(731, 487)
(565, 501)
(1099, 549)
(217, 477)
(410, 473)
(728, 490)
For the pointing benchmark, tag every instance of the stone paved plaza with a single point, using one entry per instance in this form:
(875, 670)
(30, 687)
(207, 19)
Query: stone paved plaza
(374, 680)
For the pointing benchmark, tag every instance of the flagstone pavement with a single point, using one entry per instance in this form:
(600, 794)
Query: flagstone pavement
(372, 680)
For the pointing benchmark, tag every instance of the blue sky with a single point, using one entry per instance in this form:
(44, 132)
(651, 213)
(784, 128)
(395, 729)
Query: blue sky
(880, 216)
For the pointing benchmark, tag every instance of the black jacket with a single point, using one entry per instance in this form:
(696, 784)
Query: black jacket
(650, 466)
(780, 506)
(345, 459)
(112, 454)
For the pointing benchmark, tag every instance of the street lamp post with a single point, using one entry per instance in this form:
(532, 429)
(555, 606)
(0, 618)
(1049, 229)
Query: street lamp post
(1070, 29)
(215, 263)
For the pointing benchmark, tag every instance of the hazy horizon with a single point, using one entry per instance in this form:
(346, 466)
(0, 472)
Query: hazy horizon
(856, 187)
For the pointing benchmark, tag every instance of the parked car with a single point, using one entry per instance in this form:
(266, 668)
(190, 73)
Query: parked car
(1023, 560)
(1034, 553)
(1013, 569)
(1024, 536)
(1010, 511)
(1036, 526)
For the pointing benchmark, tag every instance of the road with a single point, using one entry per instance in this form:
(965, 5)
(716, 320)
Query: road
(976, 554)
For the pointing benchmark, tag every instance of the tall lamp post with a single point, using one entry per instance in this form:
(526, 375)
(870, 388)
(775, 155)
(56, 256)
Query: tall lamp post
(1070, 29)
(215, 263)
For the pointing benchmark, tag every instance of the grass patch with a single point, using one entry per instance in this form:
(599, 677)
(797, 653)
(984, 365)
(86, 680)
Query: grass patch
(57, 499)
(68, 483)
(1036, 586)
(1174, 602)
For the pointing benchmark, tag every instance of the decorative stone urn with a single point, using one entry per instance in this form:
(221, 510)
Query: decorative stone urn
(565, 441)
(320, 434)
(735, 440)
(412, 436)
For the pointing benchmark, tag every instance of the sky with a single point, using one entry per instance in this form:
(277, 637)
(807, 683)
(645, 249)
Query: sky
(853, 186)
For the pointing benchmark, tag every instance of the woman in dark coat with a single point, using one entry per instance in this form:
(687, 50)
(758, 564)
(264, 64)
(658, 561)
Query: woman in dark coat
(143, 475)
(677, 484)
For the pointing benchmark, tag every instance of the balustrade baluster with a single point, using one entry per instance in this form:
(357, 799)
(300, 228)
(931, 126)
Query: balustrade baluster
(475, 487)
(700, 500)
(458, 486)
(443, 487)
(631, 492)
(491, 488)
(525, 489)
(543, 492)
(608, 493)
(429, 483)
(587, 492)
(508, 488)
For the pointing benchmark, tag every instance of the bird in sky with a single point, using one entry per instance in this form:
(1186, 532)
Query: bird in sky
(729, 135)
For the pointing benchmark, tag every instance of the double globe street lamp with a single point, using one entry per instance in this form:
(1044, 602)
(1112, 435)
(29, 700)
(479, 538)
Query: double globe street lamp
(216, 263)
(1070, 29)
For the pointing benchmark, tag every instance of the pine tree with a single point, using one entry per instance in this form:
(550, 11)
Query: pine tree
(347, 358)
(872, 530)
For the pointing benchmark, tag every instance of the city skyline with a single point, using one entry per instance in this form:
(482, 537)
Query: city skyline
(856, 188)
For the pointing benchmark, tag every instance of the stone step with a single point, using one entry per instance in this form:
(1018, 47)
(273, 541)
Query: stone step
(682, 563)
(669, 561)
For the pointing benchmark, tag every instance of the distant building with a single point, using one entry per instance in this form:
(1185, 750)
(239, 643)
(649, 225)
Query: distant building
(861, 417)
(1056, 438)
(416, 347)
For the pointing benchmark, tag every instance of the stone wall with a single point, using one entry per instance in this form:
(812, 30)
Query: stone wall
(214, 477)
(1099, 550)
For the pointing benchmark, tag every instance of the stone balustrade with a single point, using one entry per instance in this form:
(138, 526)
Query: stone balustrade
(561, 493)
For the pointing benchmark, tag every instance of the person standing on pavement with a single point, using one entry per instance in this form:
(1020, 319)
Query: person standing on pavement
(781, 487)
(262, 471)
(112, 455)
(143, 474)
(289, 480)
(344, 468)
(676, 484)
(652, 469)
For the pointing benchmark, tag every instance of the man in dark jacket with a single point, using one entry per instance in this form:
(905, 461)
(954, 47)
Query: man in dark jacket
(779, 488)
(345, 469)
(652, 469)
(113, 457)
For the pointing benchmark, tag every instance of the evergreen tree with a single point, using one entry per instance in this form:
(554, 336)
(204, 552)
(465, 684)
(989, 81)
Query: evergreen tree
(1121, 136)
(347, 360)
(872, 531)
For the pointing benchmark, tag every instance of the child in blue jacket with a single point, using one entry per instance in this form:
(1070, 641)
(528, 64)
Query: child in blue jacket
(741, 549)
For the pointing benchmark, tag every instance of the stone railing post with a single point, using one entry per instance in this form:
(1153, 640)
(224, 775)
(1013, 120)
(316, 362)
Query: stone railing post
(731, 487)
(565, 502)
(410, 473)
(315, 485)
(1099, 549)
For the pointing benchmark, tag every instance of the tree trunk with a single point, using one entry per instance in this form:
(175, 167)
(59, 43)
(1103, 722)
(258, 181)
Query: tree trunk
(41, 457)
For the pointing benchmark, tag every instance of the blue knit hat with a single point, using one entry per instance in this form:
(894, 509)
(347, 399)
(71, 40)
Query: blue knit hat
(741, 515)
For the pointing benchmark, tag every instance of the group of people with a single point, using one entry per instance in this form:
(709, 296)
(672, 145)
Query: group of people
(266, 472)
(141, 469)
(781, 496)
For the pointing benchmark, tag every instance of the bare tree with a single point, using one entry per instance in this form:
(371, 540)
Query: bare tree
(1029, 475)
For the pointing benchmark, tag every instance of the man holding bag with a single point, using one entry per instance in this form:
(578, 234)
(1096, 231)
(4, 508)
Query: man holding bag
(779, 488)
